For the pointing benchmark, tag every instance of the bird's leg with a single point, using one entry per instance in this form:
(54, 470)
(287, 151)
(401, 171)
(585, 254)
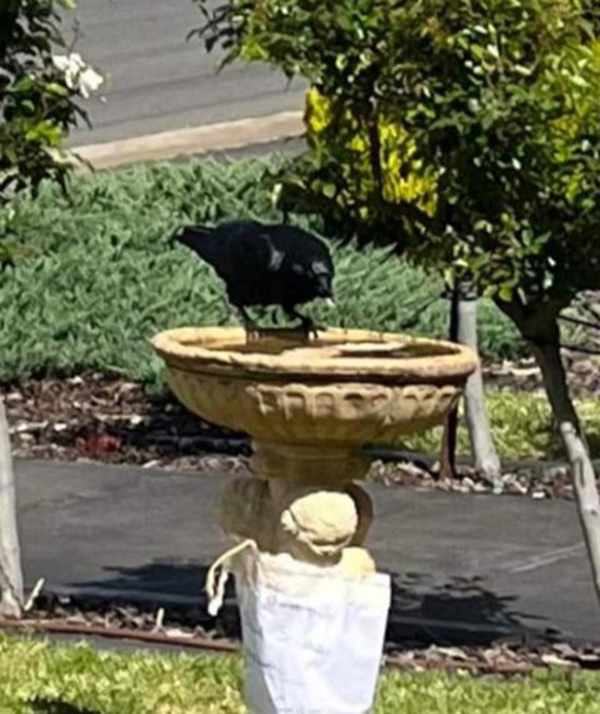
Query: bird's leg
(307, 324)
(252, 330)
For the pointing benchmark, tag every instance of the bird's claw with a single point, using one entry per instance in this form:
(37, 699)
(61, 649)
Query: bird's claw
(307, 329)
(253, 333)
(279, 333)
(310, 330)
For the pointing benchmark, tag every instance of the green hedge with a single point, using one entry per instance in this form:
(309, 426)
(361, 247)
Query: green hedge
(103, 278)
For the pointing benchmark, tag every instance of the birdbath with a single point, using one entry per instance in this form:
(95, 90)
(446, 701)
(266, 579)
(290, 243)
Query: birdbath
(313, 605)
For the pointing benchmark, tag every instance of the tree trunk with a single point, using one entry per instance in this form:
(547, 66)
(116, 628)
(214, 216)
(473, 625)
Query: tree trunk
(584, 478)
(485, 456)
(11, 579)
(448, 455)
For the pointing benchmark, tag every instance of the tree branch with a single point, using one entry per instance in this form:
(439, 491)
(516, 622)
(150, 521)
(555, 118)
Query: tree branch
(580, 348)
(579, 321)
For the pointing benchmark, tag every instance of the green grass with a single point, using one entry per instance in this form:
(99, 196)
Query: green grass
(105, 278)
(41, 678)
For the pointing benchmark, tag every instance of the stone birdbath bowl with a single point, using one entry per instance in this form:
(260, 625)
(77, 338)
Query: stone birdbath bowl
(309, 408)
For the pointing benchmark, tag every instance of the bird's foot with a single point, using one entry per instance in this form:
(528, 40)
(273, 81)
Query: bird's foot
(252, 333)
(252, 330)
(307, 326)
(310, 329)
(276, 333)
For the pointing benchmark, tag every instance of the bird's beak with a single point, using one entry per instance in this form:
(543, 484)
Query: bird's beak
(330, 302)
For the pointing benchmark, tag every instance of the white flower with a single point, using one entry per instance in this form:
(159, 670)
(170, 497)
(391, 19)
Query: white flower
(90, 81)
(79, 76)
(71, 66)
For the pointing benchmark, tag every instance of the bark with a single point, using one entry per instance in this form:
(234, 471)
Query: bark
(448, 455)
(11, 579)
(485, 456)
(584, 478)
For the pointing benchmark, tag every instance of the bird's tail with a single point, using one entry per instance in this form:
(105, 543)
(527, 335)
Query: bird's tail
(189, 236)
(200, 239)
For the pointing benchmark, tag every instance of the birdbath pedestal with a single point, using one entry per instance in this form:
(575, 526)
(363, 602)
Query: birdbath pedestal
(313, 606)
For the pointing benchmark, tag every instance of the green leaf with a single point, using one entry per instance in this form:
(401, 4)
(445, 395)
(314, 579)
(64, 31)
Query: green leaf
(505, 293)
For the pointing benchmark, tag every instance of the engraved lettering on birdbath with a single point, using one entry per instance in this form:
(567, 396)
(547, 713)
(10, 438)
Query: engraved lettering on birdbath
(309, 408)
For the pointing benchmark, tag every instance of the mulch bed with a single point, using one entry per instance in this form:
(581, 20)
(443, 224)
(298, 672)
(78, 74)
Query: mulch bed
(94, 417)
(113, 421)
(583, 374)
(191, 628)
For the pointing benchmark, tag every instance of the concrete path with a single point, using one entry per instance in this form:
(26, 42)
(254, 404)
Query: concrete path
(159, 82)
(277, 131)
(466, 568)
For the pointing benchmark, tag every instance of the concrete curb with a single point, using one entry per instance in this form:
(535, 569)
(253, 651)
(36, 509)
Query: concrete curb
(194, 141)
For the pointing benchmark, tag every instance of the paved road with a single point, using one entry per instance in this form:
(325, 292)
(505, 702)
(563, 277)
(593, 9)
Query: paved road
(158, 80)
(466, 568)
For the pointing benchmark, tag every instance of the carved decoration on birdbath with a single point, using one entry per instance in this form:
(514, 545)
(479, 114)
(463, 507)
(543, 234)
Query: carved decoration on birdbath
(309, 408)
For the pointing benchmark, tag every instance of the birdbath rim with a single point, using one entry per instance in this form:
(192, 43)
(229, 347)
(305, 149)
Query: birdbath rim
(356, 354)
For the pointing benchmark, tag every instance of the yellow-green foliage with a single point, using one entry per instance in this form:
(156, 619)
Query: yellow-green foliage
(37, 677)
(332, 129)
(501, 99)
(522, 426)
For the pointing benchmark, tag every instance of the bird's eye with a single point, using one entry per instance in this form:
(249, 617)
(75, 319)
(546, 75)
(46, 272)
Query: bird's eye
(297, 268)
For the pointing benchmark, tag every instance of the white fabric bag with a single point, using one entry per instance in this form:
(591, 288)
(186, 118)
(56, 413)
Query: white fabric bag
(313, 637)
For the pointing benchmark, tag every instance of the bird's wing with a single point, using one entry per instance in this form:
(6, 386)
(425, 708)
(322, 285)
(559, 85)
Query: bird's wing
(261, 246)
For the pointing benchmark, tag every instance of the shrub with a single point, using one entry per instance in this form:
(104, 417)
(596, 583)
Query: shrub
(39, 93)
(104, 277)
(523, 427)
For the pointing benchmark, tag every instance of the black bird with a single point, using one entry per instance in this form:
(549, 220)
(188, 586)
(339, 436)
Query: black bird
(265, 265)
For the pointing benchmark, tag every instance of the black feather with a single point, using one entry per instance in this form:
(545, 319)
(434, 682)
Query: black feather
(264, 264)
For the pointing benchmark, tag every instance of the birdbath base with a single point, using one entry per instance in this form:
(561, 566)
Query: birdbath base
(313, 636)
(303, 501)
(310, 599)
(313, 606)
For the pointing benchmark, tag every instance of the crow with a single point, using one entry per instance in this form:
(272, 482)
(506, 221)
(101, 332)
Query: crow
(265, 265)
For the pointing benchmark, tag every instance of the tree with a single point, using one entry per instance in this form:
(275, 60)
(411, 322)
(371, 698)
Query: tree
(463, 329)
(485, 456)
(498, 104)
(38, 104)
(361, 161)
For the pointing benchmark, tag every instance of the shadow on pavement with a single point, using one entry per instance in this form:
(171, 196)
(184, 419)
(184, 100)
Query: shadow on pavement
(457, 611)
(185, 578)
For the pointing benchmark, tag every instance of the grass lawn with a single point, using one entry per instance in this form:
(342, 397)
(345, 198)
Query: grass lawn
(41, 678)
